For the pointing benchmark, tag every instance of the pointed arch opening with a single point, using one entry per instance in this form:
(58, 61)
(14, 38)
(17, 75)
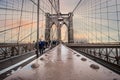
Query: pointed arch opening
(53, 32)
(64, 33)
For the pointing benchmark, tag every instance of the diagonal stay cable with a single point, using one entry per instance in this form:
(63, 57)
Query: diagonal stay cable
(76, 6)
(36, 5)
(10, 9)
(53, 6)
(27, 36)
(17, 27)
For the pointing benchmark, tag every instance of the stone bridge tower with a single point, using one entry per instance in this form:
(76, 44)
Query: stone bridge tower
(59, 20)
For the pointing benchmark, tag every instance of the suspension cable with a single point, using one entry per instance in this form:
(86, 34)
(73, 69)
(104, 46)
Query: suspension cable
(32, 24)
(17, 27)
(76, 6)
(27, 36)
(5, 21)
(36, 5)
(15, 10)
(20, 21)
(53, 7)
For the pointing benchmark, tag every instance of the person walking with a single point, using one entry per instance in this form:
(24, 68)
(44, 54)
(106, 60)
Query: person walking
(41, 47)
(36, 51)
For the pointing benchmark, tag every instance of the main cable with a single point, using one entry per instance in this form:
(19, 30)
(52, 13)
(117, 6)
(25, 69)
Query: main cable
(76, 6)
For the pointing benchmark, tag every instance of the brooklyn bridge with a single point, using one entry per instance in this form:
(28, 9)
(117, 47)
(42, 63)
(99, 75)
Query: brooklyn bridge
(59, 39)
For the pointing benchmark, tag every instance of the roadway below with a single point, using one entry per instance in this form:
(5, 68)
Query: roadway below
(10, 65)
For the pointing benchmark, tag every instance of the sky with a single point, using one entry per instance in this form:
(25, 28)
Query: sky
(67, 6)
(93, 20)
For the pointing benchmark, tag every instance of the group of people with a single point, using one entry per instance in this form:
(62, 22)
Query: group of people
(42, 45)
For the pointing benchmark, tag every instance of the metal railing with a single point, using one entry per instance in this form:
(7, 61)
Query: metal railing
(106, 52)
(8, 50)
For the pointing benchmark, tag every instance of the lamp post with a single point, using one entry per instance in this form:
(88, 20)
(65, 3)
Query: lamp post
(37, 51)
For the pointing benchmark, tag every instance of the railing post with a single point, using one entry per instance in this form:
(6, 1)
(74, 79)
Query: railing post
(94, 52)
(106, 55)
(12, 51)
(100, 53)
(117, 57)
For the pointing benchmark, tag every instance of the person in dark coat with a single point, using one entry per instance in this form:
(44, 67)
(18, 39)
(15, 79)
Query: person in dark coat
(41, 46)
(36, 51)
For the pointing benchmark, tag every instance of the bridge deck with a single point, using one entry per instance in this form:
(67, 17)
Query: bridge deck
(62, 63)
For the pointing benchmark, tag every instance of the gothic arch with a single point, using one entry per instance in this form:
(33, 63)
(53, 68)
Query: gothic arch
(53, 32)
(64, 35)
(67, 19)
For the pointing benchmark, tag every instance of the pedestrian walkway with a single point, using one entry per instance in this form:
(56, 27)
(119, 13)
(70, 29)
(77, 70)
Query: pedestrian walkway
(63, 63)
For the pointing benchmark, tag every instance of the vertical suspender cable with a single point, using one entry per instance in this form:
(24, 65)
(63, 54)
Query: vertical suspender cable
(5, 22)
(32, 24)
(92, 19)
(20, 21)
(101, 19)
(52, 8)
(95, 21)
(20, 26)
(58, 6)
(12, 19)
(88, 22)
(108, 21)
(118, 21)
(41, 36)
